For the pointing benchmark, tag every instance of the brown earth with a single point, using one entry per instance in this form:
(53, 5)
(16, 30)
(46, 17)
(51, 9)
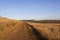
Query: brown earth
(42, 21)
(22, 30)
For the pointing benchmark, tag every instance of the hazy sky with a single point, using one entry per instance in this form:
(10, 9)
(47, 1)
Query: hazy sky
(30, 9)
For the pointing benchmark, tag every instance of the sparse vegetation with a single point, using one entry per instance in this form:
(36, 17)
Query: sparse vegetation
(23, 30)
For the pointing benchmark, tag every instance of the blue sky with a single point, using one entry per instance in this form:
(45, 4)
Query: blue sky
(30, 9)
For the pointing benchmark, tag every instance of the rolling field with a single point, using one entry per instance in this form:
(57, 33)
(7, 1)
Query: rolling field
(49, 30)
(21, 30)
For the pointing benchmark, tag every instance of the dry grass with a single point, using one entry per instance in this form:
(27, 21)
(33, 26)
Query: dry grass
(19, 30)
(48, 30)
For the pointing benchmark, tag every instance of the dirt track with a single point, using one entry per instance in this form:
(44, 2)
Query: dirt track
(24, 32)
(29, 31)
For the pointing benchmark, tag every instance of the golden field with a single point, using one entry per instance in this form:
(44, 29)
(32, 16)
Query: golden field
(23, 30)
